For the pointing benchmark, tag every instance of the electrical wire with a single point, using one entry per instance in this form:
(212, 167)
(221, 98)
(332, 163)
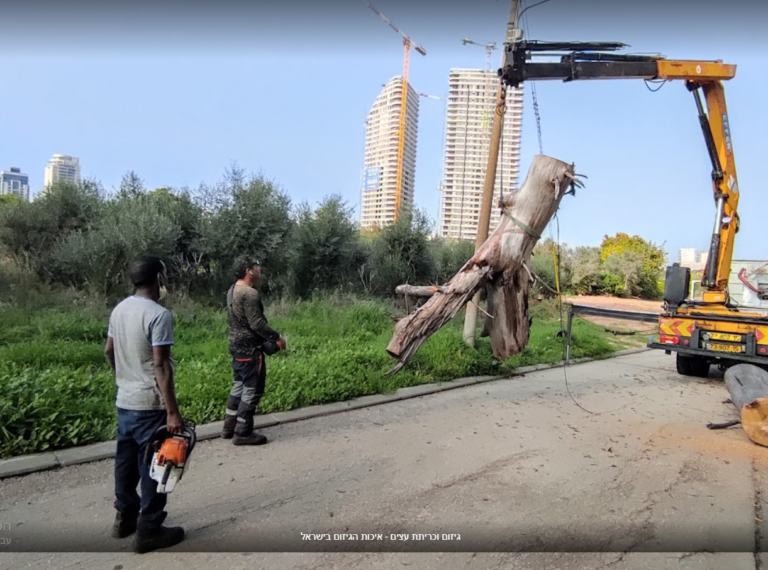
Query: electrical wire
(557, 221)
(501, 174)
(531, 6)
(538, 117)
(534, 97)
(560, 302)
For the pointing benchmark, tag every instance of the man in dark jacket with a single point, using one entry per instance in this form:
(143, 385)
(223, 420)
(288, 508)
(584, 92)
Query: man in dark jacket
(249, 332)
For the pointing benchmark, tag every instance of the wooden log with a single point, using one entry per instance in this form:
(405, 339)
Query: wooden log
(418, 290)
(748, 386)
(499, 265)
(429, 290)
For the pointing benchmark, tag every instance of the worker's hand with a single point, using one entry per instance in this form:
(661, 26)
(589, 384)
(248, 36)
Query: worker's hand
(174, 423)
(281, 343)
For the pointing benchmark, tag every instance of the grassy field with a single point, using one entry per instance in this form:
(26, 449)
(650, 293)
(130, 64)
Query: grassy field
(58, 390)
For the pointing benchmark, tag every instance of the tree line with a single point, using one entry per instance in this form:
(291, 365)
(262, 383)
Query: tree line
(79, 235)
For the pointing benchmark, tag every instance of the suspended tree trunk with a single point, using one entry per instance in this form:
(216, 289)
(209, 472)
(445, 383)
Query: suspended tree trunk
(748, 386)
(500, 265)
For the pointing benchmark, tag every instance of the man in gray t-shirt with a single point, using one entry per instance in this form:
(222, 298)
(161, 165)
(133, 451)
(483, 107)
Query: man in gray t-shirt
(139, 350)
(140, 324)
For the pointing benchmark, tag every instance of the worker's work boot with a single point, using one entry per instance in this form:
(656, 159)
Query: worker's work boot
(125, 525)
(230, 423)
(252, 439)
(162, 537)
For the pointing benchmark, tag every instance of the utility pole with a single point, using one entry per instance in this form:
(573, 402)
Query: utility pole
(513, 35)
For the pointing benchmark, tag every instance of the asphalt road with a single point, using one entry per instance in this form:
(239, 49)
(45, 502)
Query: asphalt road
(515, 468)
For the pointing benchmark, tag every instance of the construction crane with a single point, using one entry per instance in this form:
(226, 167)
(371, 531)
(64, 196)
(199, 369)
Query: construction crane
(489, 47)
(420, 94)
(407, 43)
(486, 119)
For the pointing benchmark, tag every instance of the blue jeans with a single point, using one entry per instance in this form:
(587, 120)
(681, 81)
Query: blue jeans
(134, 430)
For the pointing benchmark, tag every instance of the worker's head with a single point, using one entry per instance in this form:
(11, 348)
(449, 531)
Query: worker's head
(248, 269)
(149, 276)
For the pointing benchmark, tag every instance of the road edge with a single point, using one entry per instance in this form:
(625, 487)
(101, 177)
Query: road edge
(27, 464)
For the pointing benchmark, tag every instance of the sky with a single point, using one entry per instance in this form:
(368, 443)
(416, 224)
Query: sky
(178, 92)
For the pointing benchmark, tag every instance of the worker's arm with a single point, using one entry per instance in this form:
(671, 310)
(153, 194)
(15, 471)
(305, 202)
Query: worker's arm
(256, 319)
(162, 340)
(109, 352)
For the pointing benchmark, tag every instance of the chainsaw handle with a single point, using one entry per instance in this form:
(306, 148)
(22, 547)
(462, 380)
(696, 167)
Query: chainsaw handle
(162, 433)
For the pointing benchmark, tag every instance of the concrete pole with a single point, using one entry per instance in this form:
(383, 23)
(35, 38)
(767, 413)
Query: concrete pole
(470, 322)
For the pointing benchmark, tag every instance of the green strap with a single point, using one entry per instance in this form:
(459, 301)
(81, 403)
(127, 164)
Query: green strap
(530, 231)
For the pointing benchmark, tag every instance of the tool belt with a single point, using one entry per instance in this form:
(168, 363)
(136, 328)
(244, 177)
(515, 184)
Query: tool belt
(267, 347)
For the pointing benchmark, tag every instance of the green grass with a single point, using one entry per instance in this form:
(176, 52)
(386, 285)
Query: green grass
(59, 392)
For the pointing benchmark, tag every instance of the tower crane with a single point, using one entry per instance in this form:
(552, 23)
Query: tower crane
(489, 47)
(407, 43)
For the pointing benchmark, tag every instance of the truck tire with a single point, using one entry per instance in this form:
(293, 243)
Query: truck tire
(692, 366)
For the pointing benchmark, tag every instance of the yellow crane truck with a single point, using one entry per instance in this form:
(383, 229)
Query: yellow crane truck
(713, 329)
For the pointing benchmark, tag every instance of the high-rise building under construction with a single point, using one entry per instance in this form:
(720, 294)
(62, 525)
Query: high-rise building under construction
(468, 124)
(382, 128)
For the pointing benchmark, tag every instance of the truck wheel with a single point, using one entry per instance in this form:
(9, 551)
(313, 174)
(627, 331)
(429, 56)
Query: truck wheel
(692, 366)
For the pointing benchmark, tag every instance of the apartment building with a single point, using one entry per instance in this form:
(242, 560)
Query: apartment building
(62, 167)
(15, 182)
(380, 161)
(468, 124)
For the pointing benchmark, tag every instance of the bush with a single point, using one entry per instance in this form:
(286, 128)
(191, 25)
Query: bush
(252, 217)
(400, 254)
(29, 231)
(78, 236)
(326, 249)
(637, 263)
(448, 255)
(99, 258)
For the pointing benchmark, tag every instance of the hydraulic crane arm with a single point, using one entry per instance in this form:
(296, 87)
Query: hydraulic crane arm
(582, 61)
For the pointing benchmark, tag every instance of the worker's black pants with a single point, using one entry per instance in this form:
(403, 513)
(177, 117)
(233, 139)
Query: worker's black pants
(250, 374)
(134, 430)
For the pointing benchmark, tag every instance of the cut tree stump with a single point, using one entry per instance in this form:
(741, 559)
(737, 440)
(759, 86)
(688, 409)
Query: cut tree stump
(499, 265)
(748, 386)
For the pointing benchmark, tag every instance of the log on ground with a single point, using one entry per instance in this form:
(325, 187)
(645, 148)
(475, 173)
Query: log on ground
(748, 387)
(499, 265)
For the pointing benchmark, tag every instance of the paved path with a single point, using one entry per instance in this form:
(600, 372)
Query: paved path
(510, 465)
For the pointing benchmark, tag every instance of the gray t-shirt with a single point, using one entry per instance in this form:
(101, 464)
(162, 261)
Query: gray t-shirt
(135, 326)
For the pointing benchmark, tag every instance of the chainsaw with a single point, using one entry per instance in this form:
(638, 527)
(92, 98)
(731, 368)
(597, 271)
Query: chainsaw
(168, 455)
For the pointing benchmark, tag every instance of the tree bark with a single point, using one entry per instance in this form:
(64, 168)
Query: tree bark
(748, 386)
(500, 265)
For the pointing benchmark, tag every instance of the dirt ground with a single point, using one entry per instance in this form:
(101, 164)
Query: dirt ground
(616, 303)
(643, 330)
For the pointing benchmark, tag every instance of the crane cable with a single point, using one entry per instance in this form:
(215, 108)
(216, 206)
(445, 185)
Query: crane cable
(555, 244)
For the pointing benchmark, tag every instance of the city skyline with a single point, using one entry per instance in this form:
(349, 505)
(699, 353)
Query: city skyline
(175, 130)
